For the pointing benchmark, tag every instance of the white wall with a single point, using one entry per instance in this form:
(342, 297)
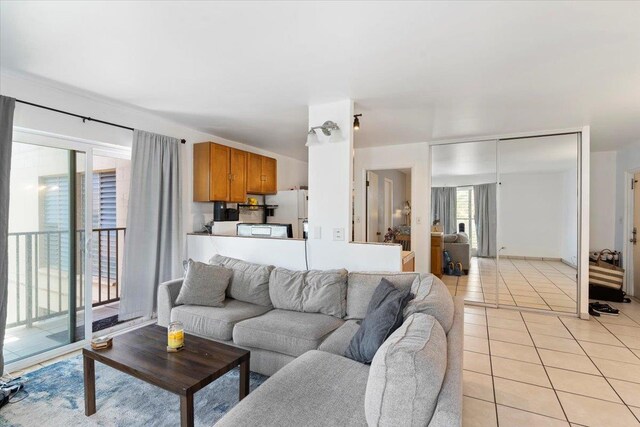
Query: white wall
(411, 156)
(289, 253)
(569, 227)
(531, 212)
(603, 200)
(291, 172)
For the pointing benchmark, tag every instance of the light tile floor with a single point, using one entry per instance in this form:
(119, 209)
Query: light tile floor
(524, 369)
(531, 283)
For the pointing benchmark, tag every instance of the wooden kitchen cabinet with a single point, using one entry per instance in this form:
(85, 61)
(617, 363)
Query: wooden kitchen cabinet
(219, 173)
(262, 174)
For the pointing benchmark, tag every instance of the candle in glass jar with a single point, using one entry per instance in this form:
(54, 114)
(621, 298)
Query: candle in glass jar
(175, 335)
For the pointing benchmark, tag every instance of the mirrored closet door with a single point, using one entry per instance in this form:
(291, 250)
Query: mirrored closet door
(464, 218)
(538, 222)
(506, 214)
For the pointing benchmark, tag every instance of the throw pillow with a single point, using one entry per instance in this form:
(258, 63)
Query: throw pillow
(378, 325)
(383, 291)
(204, 284)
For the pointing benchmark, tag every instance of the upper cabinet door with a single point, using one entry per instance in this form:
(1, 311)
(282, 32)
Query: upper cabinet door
(254, 173)
(238, 175)
(219, 173)
(201, 176)
(269, 175)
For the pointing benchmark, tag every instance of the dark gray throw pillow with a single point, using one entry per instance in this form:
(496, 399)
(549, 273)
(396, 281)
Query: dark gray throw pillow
(384, 318)
(204, 284)
(383, 291)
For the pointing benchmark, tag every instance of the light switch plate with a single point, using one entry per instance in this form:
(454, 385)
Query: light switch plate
(338, 234)
(317, 232)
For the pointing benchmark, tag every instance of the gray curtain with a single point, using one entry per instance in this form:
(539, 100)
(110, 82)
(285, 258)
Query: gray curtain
(486, 218)
(7, 105)
(153, 245)
(443, 207)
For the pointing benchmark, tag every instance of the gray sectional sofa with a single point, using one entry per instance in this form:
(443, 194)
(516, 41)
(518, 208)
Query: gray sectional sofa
(297, 326)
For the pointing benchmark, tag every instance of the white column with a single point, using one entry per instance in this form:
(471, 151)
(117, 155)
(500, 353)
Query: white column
(330, 173)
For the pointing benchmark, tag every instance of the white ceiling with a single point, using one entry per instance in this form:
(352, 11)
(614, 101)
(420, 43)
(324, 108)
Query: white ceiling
(417, 71)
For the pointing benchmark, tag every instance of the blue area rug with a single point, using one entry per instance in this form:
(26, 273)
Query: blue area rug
(56, 398)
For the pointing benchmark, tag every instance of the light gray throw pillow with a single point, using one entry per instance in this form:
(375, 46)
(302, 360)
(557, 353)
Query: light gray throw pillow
(312, 291)
(204, 284)
(406, 374)
(250, 281)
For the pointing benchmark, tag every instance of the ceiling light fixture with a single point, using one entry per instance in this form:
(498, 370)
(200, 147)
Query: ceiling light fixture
(356, 121)
(326, 128)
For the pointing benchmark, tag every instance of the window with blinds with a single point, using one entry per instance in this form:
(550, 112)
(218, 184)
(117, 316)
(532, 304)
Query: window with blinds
(55, 218)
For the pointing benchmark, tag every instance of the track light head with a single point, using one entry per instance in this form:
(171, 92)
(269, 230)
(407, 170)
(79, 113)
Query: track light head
(356, 121)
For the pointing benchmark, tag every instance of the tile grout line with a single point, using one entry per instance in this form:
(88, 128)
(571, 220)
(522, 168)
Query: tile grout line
(493, 381)
(603, 376)
(547, 373)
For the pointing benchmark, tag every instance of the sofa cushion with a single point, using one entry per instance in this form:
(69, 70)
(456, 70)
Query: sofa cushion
(462, 238)
(311, 291)
(360, 288)
(384, 317)
(450, 238)
(249, 282)
(284, 331)
(216, 322)
(407, 373)
(339, 339)
(431, 297)
(317, 389)
(204, 284)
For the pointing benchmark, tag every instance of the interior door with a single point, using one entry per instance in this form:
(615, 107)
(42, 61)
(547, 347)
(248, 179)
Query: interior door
(373, 232)
(636, 228)
(388, 204)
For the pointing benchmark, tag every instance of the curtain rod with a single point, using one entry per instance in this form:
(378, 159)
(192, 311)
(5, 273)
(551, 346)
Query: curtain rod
(84, 118)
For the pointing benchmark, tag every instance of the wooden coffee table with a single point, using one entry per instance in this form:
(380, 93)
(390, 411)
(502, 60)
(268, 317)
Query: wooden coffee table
(142, 353)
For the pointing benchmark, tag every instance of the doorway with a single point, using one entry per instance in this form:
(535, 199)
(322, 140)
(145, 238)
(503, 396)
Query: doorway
(388, 207)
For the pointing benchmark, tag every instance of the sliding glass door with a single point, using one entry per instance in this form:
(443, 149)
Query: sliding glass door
(45, 308)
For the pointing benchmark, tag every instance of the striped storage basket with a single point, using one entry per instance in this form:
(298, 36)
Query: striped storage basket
(604, 274)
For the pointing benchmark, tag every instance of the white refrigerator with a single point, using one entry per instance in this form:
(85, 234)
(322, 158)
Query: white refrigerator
(292, 209)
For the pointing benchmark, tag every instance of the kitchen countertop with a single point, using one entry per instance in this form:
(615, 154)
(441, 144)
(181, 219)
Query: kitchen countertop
(408, 254)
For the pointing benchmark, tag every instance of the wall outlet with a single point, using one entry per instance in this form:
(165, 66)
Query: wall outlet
(338, 234)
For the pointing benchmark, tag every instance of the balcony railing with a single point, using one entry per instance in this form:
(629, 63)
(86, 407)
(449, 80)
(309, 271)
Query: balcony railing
(38, 272)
